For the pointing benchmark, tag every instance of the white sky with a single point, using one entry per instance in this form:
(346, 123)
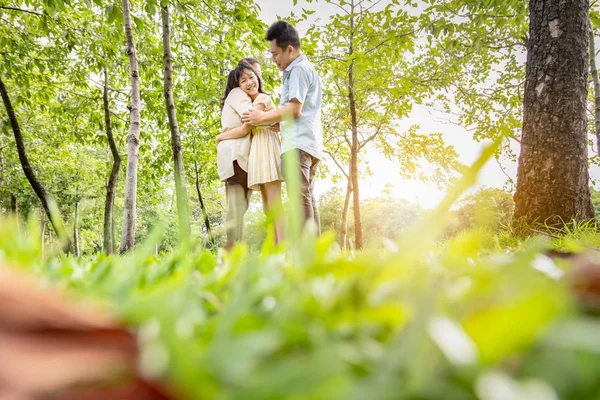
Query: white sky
(385, 172)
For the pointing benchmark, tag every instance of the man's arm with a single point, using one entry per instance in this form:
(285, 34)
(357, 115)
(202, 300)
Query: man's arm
(257, 117)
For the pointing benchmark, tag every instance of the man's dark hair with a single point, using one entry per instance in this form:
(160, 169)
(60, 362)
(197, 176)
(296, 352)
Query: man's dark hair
(233, 80)
(284, 35)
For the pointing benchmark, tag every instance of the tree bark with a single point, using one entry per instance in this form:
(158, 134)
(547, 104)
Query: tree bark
(111, 185)
(345, 211)
(553, 178)
(76, 249)
(114, 235)
(596, 82)
(180, 187)
(14, 206)
(39, 190)
(133, 140)
(1, 167)
(42, 228)
(358, 234)
(211, 239)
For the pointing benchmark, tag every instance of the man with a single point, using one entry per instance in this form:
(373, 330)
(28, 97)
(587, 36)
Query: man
(300, 98)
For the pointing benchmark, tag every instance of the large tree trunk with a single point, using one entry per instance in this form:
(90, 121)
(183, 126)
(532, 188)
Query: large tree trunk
(211, 239)
(358, 235)
(180, 187)
(35, 184)
(111, 186)
(133, 141)
(596, 81)
(345, 211)
(553, 179)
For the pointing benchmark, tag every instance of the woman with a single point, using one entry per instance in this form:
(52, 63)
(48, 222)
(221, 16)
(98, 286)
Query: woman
(262, 170)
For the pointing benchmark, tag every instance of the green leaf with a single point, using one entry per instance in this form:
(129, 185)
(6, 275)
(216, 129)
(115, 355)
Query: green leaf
(595, 18)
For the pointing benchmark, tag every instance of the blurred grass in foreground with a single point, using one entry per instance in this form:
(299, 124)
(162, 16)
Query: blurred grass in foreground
(420, 319)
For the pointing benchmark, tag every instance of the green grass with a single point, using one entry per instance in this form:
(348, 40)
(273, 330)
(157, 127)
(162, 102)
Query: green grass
(322, 324)
(420, 319)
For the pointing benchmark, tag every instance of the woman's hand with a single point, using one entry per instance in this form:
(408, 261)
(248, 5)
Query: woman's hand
(218, 139)
(275, 128)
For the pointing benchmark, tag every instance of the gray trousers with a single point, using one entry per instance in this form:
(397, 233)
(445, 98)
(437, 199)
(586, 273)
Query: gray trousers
(307, 166)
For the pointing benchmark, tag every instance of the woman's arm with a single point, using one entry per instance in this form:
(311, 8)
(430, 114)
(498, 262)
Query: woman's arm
(239, 131)
(260, 106)
(234, 133)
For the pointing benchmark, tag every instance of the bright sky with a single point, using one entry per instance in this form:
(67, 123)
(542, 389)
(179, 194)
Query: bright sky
(385, 172)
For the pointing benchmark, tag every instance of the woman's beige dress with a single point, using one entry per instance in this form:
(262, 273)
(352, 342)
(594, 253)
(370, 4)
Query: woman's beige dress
(264, 162)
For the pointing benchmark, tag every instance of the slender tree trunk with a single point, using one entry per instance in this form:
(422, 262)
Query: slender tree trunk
(345, 211)
(133, 141)
(211, 239)
(553, 179)
(42, 228)
(1, 167)
(114, 235)
(14, 206)
(76, 249)
(35, 184)
(180, 187)
(358, 234)
(596, 81)
(111, 186)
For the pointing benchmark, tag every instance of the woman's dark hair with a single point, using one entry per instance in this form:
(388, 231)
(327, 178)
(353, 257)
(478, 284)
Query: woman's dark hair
(233, 80)
(250, 60)
(284, 35)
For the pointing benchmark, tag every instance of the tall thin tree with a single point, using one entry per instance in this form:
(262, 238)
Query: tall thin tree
(553, 179)
(180, 186)
(76, 247)
(45, 198)
(133, 140)
(109, 239)
(211, 239)
(358, 232)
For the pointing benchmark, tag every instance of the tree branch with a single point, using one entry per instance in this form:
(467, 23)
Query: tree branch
(337, 163)
(387, 40)
(340, 7)
(21, 10)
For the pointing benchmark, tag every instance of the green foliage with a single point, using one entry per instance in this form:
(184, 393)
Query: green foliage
(596, 201)
(377, 44)
(261, 326)
(488, 208)
(481, 46)
(384, 217)
(415, 320)
(52, 59)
